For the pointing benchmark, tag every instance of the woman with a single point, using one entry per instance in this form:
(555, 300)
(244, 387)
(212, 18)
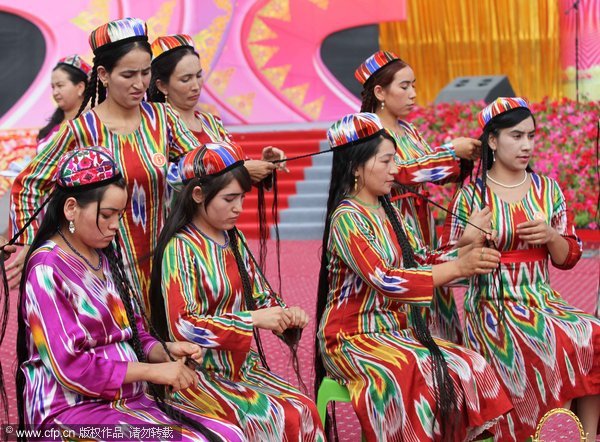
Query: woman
(403, 384)
(69, 80)
(142, 136)
(207, 289)
(546, 352)
(177, 79)
(84, 357)
(389, 91)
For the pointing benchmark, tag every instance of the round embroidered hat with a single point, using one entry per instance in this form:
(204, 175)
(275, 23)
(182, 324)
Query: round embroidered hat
(77, 62)
(353, 129)
(86, 168)
(499, 106)
(211, 159)
(118, 32)
(167, 43)
(372, 64)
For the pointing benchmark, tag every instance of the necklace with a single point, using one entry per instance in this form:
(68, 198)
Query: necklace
(74, 250)
(367, 205)
(508, 186)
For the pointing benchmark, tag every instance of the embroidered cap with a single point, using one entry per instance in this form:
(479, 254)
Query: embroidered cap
(77, 62)
(353, 129)
(373, 64)
(165, 44)
(499, 106)
(86, 168)
(211, 159)
(118, 31)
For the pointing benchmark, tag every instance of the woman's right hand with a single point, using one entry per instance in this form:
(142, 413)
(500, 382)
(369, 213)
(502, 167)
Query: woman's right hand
(277, 319)
(15, 269)
(467, 148)
(175, 374)
(477, 260)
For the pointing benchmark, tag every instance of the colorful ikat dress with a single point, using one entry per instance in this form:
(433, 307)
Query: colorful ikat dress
(204, 303)
(418, 163)
(366, 343)
(142, 156)
(78, 345)
(544, 351)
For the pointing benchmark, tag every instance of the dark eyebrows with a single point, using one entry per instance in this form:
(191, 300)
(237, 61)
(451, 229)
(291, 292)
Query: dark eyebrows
(234, 194)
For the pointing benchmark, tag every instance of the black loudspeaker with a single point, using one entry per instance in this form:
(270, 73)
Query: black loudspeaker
(484, 87)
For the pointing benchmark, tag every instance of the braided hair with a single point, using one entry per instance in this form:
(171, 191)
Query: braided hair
(75, 76)
(345, 162)
(95, 92)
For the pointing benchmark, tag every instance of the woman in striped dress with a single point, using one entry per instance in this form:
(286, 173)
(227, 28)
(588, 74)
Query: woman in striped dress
(404, 385)
(142, 136)
(389, 91)
(546, 352)
(84, 356)
(206, 289)
(177, 79)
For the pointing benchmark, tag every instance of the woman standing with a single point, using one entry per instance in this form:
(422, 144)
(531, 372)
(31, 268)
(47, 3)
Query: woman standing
(404, 385)
(143, 137)
(546, 352)
(69, 80)
(389, 91)
(207, 289)
(177, 79)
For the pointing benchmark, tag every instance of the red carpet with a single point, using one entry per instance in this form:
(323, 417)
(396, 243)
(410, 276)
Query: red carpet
(293, 143)
(300, 265)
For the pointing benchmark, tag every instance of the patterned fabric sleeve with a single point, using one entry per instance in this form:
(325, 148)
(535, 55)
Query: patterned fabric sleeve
(60, 338)
(562, 222)
(32, 185)
(181, 140)
(353, 239)
(187, 305)
(146, 339)
(426, 165)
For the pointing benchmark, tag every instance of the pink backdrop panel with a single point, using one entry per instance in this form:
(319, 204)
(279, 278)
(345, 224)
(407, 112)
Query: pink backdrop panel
(261, 57)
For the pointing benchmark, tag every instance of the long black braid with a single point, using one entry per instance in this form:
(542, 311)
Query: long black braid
(291, 336)
(445, 394)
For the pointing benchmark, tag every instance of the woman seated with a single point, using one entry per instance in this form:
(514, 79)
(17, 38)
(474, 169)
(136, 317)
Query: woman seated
(404, 385)
(207, 289)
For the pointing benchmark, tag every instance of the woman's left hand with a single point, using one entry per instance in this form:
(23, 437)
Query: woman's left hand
(536, 232)
(185, 349)
(271, 153)
(299, 317)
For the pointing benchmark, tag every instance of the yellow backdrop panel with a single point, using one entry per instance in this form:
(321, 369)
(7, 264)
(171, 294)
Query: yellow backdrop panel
(444, 39)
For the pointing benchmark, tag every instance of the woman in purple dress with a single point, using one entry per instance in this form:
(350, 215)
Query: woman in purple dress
(84, 357)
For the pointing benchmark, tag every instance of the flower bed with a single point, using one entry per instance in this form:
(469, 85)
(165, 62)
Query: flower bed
(565, 148)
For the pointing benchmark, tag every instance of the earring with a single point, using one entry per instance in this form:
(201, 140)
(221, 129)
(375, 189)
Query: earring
(105, 84)
(355, 183)
(382, 105)
(493, 156)
(71, 227)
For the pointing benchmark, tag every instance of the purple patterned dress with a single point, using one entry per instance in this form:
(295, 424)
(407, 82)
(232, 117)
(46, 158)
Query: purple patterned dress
(77, 340)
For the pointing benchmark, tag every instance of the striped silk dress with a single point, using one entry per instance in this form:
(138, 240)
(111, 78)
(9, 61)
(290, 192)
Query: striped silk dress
(143, 157)
(78, 345)
(544, 350)
(418, 163)
(366, 343)
(204, 304)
